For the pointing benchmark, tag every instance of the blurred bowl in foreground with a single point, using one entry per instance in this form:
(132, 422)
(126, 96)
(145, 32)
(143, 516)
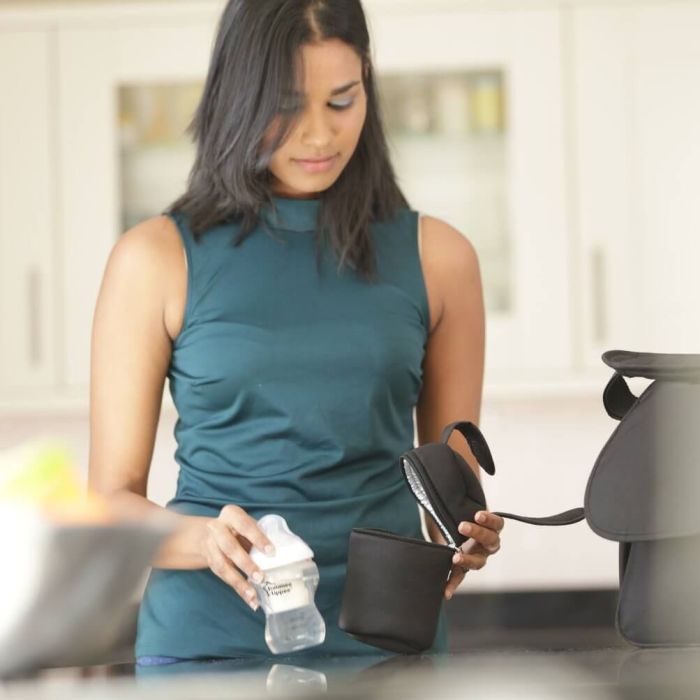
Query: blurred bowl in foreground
(67, 586)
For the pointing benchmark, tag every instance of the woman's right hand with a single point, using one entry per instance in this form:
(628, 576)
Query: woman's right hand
(226, 547)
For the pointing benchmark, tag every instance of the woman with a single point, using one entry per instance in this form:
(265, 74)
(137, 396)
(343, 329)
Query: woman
(301, 311)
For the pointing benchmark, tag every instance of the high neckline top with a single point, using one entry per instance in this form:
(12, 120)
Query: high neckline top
(294, 383)
(292, 214)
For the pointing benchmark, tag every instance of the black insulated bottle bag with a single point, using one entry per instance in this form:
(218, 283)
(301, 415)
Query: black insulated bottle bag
(643, 493)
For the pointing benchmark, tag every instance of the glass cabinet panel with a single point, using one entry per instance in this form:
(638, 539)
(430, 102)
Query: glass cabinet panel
(155, 152)
(475, 126)
(447, 139)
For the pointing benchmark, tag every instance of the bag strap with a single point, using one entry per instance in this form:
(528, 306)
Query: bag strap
(477, 443)
(568, 517)
(480, 449)
(617, 397)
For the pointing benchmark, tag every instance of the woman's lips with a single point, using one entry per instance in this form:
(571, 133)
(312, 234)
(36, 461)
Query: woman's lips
(317, 166)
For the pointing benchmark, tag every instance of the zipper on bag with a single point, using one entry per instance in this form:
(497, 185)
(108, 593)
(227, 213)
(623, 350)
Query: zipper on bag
(417, 483)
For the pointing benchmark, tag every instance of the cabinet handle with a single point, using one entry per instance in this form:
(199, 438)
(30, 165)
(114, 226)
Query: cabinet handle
(600, 320)
(34, 326)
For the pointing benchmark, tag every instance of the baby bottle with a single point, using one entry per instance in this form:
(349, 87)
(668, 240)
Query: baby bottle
(287, 592)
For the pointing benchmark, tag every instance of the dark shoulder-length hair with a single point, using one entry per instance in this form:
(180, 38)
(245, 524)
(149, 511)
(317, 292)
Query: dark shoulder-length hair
(255, 63)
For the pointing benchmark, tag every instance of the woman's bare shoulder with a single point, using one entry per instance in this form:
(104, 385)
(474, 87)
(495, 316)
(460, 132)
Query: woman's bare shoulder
(445, 243)
(153, 251)
(152, 237)
(449, 261)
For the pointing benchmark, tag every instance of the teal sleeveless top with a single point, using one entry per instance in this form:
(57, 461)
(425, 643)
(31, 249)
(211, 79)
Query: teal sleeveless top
(295, 395)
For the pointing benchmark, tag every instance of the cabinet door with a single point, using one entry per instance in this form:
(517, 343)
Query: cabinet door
(515, 187)
(27, 295)
(637, 107)
(504, 190)
(94, 65)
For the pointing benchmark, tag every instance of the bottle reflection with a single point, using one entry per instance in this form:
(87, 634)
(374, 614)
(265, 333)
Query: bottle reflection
(284, 678)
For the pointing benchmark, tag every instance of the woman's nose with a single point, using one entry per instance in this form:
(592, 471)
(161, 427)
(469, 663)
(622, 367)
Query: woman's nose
(317, 129)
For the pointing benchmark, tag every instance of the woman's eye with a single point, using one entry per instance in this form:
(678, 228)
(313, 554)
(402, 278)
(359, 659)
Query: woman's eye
(341, 105)
(288, 107)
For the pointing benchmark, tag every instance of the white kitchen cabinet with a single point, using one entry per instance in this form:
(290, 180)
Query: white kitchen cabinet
(595, 161)
(523, 46)
(28, 242)
(636, 99)
(581, 206)
(94, 63)
(530, 335)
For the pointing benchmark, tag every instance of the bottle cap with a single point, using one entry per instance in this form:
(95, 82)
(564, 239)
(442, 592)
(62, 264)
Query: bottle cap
(289, 548)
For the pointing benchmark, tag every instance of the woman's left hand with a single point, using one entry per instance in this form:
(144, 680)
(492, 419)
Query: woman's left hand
(484, 541)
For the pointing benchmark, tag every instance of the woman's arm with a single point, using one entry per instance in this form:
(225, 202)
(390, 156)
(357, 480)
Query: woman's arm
(130, 354)
(453, 367)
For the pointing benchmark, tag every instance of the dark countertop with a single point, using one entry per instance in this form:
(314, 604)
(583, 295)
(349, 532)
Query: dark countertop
(611, 672)
(496, 652)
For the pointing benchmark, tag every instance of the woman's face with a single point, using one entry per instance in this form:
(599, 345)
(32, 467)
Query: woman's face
(328, 124)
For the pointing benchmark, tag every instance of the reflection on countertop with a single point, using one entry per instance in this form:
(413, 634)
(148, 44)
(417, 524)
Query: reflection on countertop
(597, 673)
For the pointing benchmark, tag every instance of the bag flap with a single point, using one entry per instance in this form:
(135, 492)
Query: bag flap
(445, 485)
(654, 365)
(645, 484)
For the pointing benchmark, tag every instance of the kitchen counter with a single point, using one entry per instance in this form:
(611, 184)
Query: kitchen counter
(604, 673)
